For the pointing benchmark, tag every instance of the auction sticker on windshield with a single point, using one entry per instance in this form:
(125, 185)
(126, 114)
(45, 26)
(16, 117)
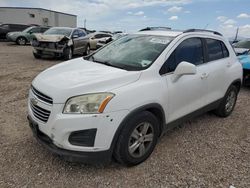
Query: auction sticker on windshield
(160, 41)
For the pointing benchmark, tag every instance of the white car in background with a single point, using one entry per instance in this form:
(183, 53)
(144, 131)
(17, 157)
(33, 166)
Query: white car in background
(117, 102)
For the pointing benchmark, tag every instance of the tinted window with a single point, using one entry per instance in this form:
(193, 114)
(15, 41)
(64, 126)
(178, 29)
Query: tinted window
(35, 30)
(75, 33)
(190, 50)
(43, 29)
(214, 49)
(225, 50)
(81, 33)
(98, 36)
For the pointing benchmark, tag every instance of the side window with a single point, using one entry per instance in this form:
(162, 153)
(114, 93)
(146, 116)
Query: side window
(43, 29)
(190, 50)
(81, 33)
(225, 50)
(214, 49)
(35, 30)
(75, 33)
(98, 36)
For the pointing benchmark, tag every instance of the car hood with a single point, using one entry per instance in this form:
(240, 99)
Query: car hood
(78, 76)
(50, 38)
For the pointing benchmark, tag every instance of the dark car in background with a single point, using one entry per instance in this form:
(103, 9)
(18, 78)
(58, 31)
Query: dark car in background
(25, 36)
(6, 28)
(59, 42)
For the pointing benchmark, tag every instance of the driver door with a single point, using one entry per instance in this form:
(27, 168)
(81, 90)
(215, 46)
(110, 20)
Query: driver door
(185, 93)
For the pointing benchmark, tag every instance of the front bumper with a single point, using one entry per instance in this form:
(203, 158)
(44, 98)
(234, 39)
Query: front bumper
(55, 133)
(72, 156)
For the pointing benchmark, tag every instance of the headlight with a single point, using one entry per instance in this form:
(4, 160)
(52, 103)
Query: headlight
(88, 104)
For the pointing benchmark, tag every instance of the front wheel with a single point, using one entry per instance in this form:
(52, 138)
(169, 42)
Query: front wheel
(68, 53)
(137, 139)
(228, 103)
(37, 56)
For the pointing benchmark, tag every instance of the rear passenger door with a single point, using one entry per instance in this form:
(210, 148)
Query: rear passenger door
(217, 63)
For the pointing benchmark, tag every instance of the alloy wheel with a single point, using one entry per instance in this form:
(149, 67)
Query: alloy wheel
(141, 139)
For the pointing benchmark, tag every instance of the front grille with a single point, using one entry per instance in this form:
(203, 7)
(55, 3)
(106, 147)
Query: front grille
(42, 96)
(50, 45)
(40, 113)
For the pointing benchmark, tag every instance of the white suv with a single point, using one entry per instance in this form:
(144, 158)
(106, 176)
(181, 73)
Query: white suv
(117, 102)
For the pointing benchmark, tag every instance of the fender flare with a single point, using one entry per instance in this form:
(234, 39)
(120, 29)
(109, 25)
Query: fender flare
(148, 107)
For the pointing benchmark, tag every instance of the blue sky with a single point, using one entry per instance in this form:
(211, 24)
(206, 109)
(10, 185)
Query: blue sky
(132, 15)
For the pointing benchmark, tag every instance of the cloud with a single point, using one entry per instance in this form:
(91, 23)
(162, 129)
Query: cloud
(139, 13)
(175, 9)
(173, 18)
(230, 22)
(243, 15)
(222, 18)
(187, 12)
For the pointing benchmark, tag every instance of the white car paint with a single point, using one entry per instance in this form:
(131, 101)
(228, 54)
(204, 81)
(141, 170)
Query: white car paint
(132, 89)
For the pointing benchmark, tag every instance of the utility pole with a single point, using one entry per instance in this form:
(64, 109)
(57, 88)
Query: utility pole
(85, 23)
(237, 32)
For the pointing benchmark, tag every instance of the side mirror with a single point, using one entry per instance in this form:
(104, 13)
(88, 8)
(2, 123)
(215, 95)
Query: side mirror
(185, 68)
(75, 36)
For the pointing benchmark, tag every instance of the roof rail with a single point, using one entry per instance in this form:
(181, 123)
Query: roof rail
(155, 29)
(202, 30)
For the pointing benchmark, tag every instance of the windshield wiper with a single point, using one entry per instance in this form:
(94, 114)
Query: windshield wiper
(107, 63)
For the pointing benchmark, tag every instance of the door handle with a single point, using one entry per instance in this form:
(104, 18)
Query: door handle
(204, 75)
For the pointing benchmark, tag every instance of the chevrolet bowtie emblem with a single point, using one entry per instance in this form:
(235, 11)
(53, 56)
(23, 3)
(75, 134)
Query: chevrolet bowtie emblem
(34, 101)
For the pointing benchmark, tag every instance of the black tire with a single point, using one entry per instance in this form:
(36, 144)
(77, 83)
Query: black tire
(68, 53)
(37, 56)
(228, 102)
(21, 41)
(87, 50)
(123, 150)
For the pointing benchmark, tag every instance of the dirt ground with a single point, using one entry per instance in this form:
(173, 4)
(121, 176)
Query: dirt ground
(206, 152)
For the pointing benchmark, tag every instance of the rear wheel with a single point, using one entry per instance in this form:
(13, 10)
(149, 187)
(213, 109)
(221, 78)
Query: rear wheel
(137, 139)
(228, 103)
(87, 51)
(21, 41)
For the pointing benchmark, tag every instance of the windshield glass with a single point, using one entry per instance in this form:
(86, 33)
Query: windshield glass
(242, 44)
(132, 52)
(27, 29)
(58, 31)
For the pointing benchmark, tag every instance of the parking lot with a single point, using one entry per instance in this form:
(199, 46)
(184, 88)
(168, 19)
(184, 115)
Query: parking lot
(205, 152)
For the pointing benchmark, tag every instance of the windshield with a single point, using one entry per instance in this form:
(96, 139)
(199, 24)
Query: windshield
(27, 29)
(242, 44)
(58, 31)
(132, 52)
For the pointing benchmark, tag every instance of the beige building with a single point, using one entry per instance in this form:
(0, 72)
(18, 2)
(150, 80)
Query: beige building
(38, 16)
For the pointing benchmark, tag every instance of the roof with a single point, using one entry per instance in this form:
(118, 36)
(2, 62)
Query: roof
(38, 9)
(169, 33)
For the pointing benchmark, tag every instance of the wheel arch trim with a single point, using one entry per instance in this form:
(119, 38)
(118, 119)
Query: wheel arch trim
(148, 107)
